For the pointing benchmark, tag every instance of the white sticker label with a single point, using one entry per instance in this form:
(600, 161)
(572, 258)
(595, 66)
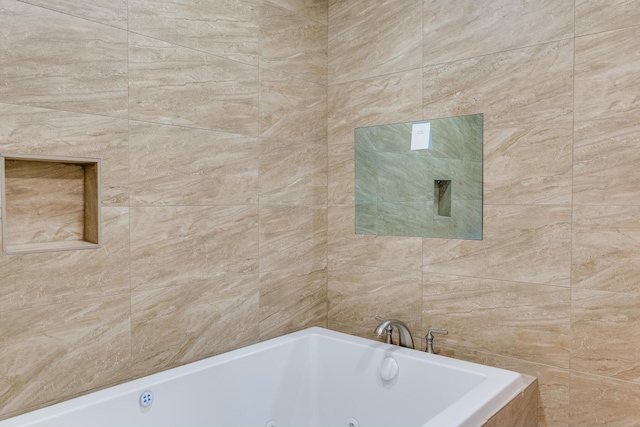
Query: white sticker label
(421, 136)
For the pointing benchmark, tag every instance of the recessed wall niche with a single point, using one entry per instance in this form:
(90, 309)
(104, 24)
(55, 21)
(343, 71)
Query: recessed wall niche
(49, 203)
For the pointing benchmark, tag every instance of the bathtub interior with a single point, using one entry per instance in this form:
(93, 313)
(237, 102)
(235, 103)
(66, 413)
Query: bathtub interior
(315, 378)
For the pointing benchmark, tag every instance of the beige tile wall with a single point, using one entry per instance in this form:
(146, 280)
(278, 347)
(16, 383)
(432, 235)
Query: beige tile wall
(210, 120)
(552, 289)
(227, 149)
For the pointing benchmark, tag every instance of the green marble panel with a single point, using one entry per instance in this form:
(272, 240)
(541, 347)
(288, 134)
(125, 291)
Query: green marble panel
(395, 187)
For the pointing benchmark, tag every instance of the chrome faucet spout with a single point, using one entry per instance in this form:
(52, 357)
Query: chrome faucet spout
(405, 338)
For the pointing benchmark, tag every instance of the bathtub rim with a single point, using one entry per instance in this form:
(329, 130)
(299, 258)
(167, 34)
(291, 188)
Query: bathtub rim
(478, 405)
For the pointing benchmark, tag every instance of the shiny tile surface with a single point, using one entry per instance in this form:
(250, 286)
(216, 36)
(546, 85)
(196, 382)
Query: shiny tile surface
(292, 299)
(540, 86)
(293, 236)
(489, 316)
(605, 335)
(293, 172)
(173, 165)
(57, 351)
(599, 401)
(170, 84)
(182, 245)
(520, 243)
(165, 332)
(605, 77)
(290, 108)
(357, 26)
(109, 12)
(605, 248)
(313, 9)
(604, 15)
(68, 276)
(58, 61)
(605, 157)
(176, 99)
(355, 292)
(460, 29)
(401, 253)
(293, 43)
(227, 28)
(39, 131)
(512, 174)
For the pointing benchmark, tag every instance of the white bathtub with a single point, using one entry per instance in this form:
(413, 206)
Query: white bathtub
(311, 378)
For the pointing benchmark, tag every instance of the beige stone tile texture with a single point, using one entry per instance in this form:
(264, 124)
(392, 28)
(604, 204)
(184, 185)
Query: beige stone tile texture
(605, 247)
(228, 29)
(525, 243)
(606, 77)
(170, 84)
(179, 324)
(356, 293)
(173, 165)
(189, 245)
(292, 299)
(389, 25)
(62, 62)
(292, 43)
(109, 12)
(57, 351)
(522, 320)
(460, 29)
(293, 172)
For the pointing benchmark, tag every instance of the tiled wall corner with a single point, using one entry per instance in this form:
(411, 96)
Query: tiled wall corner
(551, 286)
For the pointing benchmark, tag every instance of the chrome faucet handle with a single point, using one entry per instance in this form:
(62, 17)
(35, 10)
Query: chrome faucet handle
(429, 338)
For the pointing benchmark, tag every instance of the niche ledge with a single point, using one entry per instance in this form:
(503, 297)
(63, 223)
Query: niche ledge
(49, 203)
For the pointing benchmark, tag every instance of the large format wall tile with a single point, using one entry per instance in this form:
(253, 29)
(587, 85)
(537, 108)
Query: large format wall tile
(292, 299)
(58, 61)
(520, 243)
(184, 166)
(314, 9)
(293, 172)
(598, 401)
(292, 43)
(181, 324)
(539, 89)
(605, 329)
(606, 248)
(226, 28)
(190, 245)
(341, 174)
(605, 162)
(554, 383)
(293, 236)
(390, 252)
(109, 12)
(528, 164)
(461, 29)
(38, 131)
(357, 294)
(170, 84)
(394, 27)
(290, 108)
(597, 16)
(54, 352)
(367, 102)
(59, 277)
(530, 322)
(606, 77)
